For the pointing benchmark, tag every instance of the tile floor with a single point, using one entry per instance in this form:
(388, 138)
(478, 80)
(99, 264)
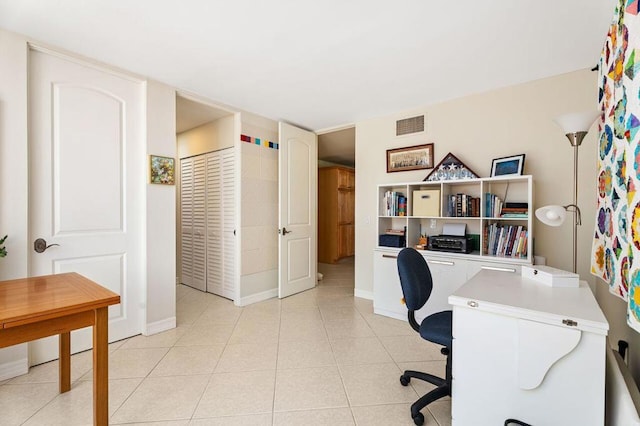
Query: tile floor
(321, 357)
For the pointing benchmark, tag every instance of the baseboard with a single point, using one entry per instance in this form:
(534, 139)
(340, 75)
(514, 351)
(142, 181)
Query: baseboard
(12, 369)
(160, 326)
(363, 294)
(390, 314)
(258, 297)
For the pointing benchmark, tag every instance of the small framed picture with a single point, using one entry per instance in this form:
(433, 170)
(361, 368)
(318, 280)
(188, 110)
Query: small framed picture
(410, 158)
(508, 166)
(162, 170)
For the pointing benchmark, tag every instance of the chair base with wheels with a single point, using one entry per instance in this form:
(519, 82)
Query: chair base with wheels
(415, 278)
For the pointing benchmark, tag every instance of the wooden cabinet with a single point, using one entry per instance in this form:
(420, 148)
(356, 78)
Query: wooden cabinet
(336, 213)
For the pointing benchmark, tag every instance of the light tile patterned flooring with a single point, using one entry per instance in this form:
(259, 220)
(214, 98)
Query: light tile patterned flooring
(321, 357)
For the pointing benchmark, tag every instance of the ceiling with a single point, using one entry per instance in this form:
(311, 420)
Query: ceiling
(321, 64)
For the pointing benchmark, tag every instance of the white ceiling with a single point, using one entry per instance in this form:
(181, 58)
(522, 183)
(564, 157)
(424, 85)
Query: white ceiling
(320, 64)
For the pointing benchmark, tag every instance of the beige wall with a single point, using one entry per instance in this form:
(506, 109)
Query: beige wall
(161, 217)
(13, 177)
(259, 218)
(209, 137)
(477, 129)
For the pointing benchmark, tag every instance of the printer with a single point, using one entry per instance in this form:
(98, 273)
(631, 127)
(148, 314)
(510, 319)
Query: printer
(453, 239)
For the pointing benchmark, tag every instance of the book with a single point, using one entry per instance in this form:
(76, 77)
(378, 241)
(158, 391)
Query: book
(516, 205)
(390, 231)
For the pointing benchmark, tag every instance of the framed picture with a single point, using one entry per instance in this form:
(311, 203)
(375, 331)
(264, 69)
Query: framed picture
(410, 158)
(163, 170)
(508, 166)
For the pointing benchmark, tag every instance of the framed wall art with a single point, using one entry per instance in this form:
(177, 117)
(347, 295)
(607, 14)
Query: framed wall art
(508, 166)
(410, 158)
(162, 170)
(450, 168)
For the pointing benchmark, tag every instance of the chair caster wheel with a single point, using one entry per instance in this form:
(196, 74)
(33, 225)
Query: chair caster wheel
(404, 380)
(418, 419)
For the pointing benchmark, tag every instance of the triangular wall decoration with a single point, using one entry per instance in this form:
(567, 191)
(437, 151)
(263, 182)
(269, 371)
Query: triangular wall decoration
(450, 168)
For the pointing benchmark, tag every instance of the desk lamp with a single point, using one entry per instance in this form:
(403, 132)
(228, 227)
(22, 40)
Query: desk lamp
(575, 126)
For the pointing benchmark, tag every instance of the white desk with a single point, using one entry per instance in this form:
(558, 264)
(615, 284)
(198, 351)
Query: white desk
(526, 351)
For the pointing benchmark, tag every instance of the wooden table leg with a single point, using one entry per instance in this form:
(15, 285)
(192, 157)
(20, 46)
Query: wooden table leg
(101, 368)
(65, 362)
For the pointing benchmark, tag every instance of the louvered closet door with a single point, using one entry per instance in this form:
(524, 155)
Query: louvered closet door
(199, 223)
(214, 224)
(186, 221)
(228, 222)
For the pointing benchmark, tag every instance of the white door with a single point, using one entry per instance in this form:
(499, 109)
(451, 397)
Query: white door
(215, 249)
(228, 192)
(298, 188)
(186, 221)
(87, 178)
(221, 209)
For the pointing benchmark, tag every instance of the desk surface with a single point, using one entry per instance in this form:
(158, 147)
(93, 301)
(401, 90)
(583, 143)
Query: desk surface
(513, 295)
(34, 299)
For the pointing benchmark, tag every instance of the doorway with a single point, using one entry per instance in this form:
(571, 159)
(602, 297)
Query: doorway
(205, 197)
(336, 207)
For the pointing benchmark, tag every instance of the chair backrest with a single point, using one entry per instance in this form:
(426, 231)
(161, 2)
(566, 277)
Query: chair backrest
(415, 278)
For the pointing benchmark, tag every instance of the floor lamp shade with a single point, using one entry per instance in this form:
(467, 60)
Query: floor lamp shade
(552, 215)
(577, 122)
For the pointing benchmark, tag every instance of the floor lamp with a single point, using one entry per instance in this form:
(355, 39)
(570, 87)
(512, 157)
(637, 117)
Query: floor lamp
(575, 126)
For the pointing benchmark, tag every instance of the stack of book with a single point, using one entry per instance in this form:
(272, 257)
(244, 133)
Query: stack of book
(515, 210)
(394, 204)
(492, 205)
(505, 241)
(390, 231)
(463, 205)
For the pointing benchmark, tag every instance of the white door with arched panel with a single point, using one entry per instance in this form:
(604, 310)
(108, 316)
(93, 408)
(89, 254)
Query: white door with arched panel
(298, 191)
(87, 177)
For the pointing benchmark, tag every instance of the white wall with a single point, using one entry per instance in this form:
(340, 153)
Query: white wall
(13, 177)
(477, 129)
(161, 214)
(259, 219)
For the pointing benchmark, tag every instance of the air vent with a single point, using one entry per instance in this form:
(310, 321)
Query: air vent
(410, 125)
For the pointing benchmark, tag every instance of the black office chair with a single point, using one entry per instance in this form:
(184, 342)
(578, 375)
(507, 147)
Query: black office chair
(417, 284)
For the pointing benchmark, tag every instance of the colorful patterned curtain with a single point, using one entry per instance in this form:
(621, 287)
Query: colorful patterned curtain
(616, 245)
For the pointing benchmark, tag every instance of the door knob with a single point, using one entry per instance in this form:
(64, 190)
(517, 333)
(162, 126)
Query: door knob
(40, 245)
(284, 231)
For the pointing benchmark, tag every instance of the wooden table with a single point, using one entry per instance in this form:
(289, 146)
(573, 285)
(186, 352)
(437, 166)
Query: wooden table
(32, 308)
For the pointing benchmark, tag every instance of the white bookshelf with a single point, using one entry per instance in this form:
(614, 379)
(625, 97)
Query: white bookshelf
(508, 189)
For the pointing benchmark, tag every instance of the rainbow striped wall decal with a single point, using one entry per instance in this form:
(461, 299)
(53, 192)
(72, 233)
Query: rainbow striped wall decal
(258, 141)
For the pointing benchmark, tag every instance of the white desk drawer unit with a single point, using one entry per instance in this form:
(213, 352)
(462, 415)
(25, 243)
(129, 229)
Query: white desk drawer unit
(527, 351)
(448, 270)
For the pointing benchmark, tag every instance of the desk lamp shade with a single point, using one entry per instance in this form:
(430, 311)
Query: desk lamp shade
(552, 215)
